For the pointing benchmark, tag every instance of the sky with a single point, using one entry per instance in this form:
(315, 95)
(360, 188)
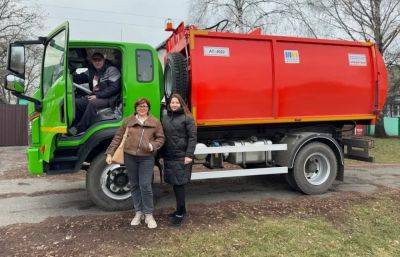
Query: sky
(113, 20)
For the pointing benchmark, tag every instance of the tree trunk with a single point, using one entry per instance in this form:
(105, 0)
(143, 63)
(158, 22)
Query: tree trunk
(379, 126)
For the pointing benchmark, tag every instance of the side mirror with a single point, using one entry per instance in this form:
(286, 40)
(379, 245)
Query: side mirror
(16, 60)
(14, 84)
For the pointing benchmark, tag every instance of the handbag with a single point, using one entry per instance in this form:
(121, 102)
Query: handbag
(118, 156)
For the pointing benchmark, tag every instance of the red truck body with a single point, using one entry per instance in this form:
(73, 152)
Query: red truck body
(238, 79)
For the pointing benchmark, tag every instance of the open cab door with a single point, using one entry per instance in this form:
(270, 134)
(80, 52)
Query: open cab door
(52, 108)
(56, 88)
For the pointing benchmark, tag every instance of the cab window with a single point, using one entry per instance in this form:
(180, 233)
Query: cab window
(144, 66)
(53, 66)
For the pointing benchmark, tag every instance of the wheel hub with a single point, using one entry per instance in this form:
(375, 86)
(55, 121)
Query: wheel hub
(115, 182)
(121, 180)
(317, 169)
(313, 166)
(168, 83)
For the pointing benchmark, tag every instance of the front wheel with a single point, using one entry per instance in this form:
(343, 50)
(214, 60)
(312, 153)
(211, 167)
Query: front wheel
(108, 185)
(314, 169)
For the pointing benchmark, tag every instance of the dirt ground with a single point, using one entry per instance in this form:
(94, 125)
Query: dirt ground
(51, 215)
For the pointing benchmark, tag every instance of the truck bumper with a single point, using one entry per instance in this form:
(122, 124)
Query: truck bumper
(35, 164)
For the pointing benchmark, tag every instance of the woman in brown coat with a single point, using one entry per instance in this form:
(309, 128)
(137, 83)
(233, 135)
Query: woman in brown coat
(144, 137)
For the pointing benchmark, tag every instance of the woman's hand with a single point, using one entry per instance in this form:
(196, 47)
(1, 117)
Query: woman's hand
(188, 160)
(109, 159)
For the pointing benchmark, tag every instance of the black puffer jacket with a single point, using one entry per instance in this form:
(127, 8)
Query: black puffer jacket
(180, 142)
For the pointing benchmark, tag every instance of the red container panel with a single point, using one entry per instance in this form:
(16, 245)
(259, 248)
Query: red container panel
(323, 83)
(238, 86)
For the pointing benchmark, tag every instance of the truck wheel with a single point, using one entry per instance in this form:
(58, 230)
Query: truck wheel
(290, 180)
(108, 185)
(315, 168)
(176, 76)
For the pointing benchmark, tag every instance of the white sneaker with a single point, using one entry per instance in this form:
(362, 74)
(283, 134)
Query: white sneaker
(149, 219)
(136, 220)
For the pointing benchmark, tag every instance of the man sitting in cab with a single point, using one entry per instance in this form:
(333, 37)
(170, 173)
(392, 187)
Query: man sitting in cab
(105, 84)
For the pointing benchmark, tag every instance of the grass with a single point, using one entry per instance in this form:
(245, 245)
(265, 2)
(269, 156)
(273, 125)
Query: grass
(386, 150)
(371, 229)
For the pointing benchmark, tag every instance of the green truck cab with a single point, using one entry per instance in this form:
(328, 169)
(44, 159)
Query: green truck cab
(52, 109)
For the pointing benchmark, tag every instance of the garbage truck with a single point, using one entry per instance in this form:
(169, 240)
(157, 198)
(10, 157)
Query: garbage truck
(263, 104)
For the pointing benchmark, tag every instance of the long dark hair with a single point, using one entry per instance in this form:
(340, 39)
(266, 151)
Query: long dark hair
(182, 102)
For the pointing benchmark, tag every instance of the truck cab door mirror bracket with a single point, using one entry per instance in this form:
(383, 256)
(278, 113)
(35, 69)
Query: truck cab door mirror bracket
(38, 104)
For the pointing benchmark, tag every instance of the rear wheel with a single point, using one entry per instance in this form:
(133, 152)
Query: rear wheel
(314, 169)
(176, 76)
(290, 180)
(108, 185)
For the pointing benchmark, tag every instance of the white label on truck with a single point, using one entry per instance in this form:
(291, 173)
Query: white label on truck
(216, 51)
(291, 56)
(357, 60)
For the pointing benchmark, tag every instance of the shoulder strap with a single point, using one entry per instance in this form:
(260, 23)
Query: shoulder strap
(126, 132)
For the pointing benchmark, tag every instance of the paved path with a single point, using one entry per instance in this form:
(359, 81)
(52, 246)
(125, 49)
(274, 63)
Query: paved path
(32, 200)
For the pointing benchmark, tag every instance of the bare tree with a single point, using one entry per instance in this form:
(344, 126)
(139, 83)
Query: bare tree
(394, 94)
(18, 22)
(369, 20)
(242, 15)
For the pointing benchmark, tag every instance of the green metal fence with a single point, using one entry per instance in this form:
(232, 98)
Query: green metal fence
(392, 127)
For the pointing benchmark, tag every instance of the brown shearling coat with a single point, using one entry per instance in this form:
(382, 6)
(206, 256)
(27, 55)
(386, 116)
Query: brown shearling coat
(139, 136)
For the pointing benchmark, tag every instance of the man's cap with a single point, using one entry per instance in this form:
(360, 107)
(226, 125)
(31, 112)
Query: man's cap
(97, 55)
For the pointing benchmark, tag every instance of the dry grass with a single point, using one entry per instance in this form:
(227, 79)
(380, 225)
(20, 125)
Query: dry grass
(386, 150)
(370, 229)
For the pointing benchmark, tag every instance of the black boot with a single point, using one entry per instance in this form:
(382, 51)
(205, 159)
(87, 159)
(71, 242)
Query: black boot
(172, 214)
(178, 217)
(177, 220)
(73, 131)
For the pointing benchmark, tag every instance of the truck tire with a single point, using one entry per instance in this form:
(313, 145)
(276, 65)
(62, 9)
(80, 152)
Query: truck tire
(176, 76)
(108, 185)
(315, 168)
(290, 180)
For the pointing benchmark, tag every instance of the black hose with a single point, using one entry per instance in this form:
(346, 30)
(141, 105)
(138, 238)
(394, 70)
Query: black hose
(216, 26)
(354, 125)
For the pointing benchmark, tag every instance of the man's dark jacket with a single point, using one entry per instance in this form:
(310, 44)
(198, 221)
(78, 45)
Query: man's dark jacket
(109, 82)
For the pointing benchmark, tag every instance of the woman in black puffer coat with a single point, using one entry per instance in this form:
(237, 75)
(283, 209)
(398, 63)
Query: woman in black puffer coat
(178, 152)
